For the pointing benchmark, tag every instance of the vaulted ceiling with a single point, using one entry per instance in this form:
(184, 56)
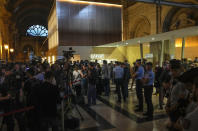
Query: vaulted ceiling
(30, 12)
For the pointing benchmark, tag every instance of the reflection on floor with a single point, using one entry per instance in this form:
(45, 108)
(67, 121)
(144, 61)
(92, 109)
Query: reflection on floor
(108, 115)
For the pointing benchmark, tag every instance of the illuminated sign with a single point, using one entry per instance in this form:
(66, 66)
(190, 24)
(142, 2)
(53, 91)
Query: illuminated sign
(97, 56)
(149, 56)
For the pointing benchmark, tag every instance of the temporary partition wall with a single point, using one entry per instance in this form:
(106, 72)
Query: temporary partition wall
(82, 25)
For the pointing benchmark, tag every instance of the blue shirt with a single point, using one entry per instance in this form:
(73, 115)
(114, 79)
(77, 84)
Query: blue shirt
(40, 76)
(119, 72)
(140, 73)
(150, 76)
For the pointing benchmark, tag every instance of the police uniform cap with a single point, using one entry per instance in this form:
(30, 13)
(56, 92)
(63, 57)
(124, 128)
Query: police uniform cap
(149, 63)
(138, 60)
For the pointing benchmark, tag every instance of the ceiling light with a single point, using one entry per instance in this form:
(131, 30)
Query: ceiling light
(90, 2)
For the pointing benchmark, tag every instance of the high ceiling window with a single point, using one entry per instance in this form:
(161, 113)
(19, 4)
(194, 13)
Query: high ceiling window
(37, 30)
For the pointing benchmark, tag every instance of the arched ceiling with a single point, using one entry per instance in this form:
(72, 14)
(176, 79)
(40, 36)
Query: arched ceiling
(28, 12)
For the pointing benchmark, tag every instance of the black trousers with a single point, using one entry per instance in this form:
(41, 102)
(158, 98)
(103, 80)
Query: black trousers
(139, 93)
(78, 90)
(119, 88)
(148, 91)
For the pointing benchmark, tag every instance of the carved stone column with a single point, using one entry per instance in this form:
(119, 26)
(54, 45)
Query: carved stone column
(125, 20)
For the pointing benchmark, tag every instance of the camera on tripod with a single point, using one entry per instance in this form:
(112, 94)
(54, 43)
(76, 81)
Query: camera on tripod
(69, 54)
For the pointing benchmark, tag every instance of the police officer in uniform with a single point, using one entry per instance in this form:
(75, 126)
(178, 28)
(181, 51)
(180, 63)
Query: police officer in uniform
(118, 73)
(139, 74)
(148, 81)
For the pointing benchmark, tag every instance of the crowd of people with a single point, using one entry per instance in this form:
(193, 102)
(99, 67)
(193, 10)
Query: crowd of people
(40, 85)
(174, 81)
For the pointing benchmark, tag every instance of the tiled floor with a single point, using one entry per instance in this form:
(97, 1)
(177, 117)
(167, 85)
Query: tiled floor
(108, 115)
(121, 117)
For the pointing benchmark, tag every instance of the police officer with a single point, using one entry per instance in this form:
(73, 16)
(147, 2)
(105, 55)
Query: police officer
(148, 81)
(139, 74)
(118, 73)
(126, 78)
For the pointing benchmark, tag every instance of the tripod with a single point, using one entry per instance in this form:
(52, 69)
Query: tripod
(68, 104)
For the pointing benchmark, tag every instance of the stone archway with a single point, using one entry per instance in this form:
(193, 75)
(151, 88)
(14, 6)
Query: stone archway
(142, 27)
(178, 18)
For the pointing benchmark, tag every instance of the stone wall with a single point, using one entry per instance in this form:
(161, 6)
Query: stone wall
(142, 21)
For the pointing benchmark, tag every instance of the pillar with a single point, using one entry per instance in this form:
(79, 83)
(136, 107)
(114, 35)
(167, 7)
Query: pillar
(183, 47)
(162, 54)
(141, 52)
(125, 20)
(172, 48)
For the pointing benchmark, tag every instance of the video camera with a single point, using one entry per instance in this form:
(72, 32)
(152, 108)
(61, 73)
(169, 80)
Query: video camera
(69, 54)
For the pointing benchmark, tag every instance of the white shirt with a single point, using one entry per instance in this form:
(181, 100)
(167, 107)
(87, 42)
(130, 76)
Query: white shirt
(76, 77)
